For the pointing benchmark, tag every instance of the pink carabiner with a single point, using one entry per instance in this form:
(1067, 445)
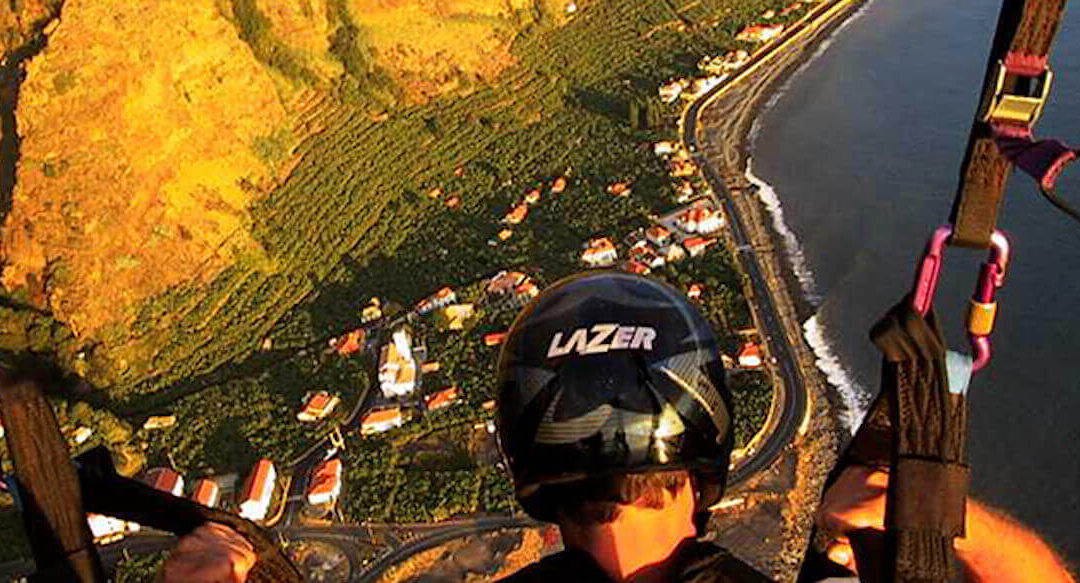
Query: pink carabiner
(983, 309)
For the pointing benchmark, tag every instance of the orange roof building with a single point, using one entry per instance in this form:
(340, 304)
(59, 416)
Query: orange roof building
(442, 298)
(527, 289)
(258, 490)
(758, 33)
(695, 291)
(559, 186)
(430, 366)
(317, 406)
(600, 253)
(443, 398)
(517, 214)
(696, 245)
(505, 234)
(619, 189)
(350, 343)
(658, 235)
(325, 484)
(505, 282)
(533, 196)
(682, 168)
(637, 267)
(166, 480)
(381, 420)
(750, 356)
(494, 339)
(206, 492)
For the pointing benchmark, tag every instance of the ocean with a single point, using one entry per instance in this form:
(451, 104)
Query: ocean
(858, 157)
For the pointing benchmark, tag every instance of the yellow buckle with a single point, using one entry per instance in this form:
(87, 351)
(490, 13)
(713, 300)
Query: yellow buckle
(1018, 99)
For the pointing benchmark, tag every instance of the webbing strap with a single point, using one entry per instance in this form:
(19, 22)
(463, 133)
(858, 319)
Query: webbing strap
(928, 487)
(1025, 33)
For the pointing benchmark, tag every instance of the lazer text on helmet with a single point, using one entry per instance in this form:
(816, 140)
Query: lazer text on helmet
(604, 337)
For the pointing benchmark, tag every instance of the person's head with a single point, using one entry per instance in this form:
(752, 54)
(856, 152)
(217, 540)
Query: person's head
(611, 394)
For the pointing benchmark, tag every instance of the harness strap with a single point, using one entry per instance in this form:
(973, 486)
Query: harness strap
(1018, 57)
(929, 484)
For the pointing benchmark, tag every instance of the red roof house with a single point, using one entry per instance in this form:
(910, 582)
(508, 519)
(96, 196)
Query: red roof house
(443, 398)
(559, 186)
(750, 356)
(258, 489)
(206, 492)
(317, 406)
(381, 420)
(325, 484)
(166, 480)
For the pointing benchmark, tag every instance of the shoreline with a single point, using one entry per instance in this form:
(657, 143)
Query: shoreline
(790, 487)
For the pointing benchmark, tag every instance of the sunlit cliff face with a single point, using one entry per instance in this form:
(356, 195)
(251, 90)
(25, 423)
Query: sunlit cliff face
(137, 123)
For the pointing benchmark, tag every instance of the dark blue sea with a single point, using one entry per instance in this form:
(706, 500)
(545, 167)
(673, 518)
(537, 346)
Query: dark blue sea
(861, 150)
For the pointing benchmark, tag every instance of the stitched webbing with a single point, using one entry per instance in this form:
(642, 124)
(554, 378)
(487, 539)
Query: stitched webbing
(1025, 33)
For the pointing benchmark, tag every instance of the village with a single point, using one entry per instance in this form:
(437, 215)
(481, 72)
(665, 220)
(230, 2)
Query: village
(410, 381)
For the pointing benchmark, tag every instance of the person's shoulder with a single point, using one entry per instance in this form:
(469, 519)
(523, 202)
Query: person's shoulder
(569, 565)
(707, 562)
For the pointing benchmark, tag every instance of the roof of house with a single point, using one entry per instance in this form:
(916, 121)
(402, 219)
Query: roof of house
(319, 403)
(696, 242)
(206, 491)
(657, 232)
(559, 186)
(259, 484)
(637, 267)
(494, 338)
(382, 416)
(528, 288)
(517, 214)
(750, 350)
(505, 281)
(326, 478)
(442, 398)
(164, 479)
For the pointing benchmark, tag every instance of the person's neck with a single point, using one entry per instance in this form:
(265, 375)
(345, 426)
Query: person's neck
(637, 538)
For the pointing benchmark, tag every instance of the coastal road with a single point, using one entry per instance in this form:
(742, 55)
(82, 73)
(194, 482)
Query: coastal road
(792, 408)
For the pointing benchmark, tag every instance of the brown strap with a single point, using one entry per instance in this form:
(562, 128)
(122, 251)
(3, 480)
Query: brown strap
(1026, 30)
(47, 486)
(931, 496)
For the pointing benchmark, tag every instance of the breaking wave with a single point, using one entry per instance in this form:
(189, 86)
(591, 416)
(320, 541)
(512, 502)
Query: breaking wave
(792, 247)
(853, 400)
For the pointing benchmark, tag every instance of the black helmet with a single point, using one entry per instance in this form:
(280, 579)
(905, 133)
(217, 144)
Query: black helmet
(608, 373)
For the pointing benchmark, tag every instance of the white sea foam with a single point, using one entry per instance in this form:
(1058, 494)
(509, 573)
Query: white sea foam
(853, 399)
(792, 247)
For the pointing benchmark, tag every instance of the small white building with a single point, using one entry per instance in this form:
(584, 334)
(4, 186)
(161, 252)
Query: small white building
(397, 367)
(669, 92)
(258, 490)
